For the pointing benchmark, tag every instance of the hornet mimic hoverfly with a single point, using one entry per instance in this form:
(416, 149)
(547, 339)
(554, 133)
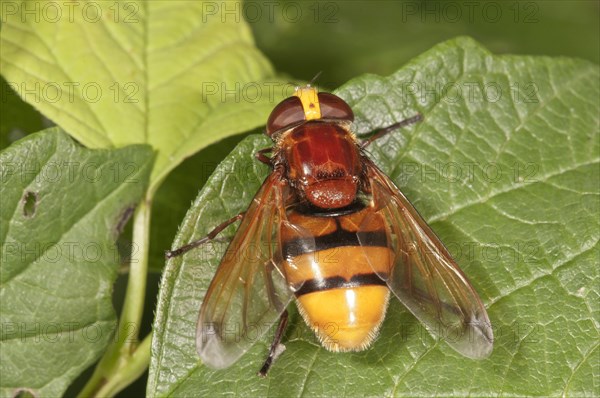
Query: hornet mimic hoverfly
(332, 231)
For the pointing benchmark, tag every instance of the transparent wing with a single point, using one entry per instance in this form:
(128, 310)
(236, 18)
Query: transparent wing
(423, 274)
(248, 292)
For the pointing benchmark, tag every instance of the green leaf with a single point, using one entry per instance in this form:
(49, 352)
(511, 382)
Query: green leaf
(175, 194)
(504, 167)
(63, 207)
(177, 75)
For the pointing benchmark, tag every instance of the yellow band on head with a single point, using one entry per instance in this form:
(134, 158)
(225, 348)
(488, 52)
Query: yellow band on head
(310, 102)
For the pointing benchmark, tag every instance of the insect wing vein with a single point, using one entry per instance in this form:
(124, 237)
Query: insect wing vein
(248, 293)
(423, 274)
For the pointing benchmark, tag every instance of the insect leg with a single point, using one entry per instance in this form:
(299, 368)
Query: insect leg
(211, 235)
(406, 122)
(276, 346)
(260, 155)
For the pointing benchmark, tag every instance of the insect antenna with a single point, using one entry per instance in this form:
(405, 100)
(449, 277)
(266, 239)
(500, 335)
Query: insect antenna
(315, 78)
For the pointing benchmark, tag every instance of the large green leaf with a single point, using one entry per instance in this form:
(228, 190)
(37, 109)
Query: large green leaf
(178, 75)
(63, 207)
(505, 169)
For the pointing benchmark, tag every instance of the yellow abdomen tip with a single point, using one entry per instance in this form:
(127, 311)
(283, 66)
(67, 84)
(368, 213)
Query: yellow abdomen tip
(345, 319)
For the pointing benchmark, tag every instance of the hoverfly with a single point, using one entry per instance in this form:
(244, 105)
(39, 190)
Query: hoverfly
(331, 231)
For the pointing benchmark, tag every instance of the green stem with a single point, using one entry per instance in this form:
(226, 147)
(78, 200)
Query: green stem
(135, 367)
(124, 360)
(133, 307)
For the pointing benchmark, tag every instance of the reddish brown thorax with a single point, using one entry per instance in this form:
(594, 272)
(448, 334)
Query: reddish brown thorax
(324, 163)
(321, 157)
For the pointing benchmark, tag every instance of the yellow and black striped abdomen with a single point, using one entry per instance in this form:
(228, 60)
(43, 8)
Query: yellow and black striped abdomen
(339, 294)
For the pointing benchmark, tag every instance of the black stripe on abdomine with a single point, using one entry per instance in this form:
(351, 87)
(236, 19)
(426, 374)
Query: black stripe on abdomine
(337, 282)
(338, 238)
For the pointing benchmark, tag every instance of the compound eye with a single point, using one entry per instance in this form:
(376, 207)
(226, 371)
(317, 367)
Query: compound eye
(333, 107)
(287, 113)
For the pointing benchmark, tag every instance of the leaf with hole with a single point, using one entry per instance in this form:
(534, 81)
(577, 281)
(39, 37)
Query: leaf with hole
(63, 207)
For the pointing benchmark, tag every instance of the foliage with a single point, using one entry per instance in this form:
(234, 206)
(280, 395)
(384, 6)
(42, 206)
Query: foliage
(507, 177)
(504, 167)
